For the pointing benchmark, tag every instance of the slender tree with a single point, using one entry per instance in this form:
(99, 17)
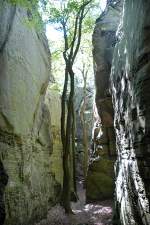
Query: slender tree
(69, 135)
(70, 17)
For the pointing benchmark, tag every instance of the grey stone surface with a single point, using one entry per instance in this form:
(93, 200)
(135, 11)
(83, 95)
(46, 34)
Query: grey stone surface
(29, 135)
(100, 185)
(130, 84)
(88, 117)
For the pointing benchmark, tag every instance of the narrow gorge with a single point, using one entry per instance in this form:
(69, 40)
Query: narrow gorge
(109, 139)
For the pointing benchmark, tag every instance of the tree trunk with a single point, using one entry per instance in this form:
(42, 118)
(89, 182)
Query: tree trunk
(67, 127)
(63, 109)
(75, 197)
(66, 181)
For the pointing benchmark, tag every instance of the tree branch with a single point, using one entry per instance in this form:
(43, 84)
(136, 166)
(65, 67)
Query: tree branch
(63, 23)
(82, 15)
(75, 34)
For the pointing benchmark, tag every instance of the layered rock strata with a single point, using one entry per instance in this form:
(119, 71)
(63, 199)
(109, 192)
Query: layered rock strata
(27, 134)
(130, 81)
(83, 108)
(100, 184)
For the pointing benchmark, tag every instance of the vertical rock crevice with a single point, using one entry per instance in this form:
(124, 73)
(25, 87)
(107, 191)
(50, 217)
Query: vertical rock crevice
(100, 183)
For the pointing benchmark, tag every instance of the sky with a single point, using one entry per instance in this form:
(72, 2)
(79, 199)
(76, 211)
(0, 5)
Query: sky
(53, 34)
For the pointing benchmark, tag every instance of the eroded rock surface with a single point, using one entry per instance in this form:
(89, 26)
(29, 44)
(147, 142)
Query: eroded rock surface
(130, 81)
(83, 108)
(100, 184)
(29, 136)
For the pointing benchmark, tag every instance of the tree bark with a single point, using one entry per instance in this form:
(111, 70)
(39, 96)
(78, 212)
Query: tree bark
(73, 152)
(67, 176)
(68, 126)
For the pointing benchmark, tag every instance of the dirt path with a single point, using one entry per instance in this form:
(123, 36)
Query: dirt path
(99, 213)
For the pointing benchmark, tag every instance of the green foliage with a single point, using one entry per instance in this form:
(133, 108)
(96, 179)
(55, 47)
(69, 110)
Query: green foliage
(63, 11)
(55, 15)
(24, 3)
(55, 87)
(66, 13)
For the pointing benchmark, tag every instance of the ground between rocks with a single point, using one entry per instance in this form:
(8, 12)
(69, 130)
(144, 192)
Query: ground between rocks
(99, 213)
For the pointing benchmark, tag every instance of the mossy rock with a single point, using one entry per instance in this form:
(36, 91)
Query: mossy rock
(103, 166)
(100, 181)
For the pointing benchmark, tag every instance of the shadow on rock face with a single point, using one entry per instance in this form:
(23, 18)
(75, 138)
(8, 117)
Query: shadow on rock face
(3, 183)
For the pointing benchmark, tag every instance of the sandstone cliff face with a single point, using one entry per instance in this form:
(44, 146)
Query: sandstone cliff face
(100, 183)
(130, 81)
(83, 108)
(29, 139)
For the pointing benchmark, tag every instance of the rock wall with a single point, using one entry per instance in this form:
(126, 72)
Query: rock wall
(88, 119)
(53, 103)
(29, 131)
(100, 184)
(130, 81)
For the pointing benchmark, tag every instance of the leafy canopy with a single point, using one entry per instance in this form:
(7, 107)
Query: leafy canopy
(65, 13)
(66, 17)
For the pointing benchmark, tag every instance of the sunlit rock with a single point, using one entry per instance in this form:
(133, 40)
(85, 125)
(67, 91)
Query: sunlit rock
(28, 137)
(100, 183)
(130, 89)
